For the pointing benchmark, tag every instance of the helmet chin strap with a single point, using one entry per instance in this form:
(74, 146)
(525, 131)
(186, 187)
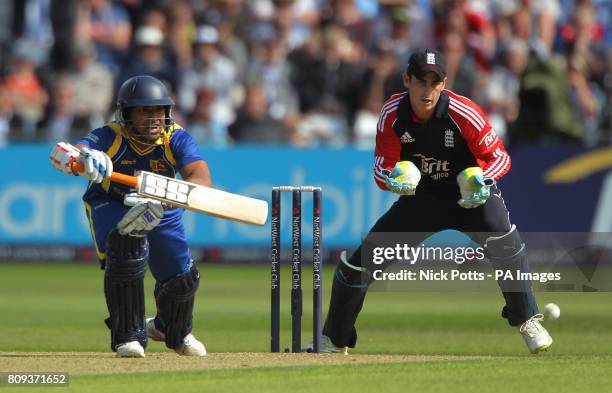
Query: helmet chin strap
(146, 140)
(133, 134)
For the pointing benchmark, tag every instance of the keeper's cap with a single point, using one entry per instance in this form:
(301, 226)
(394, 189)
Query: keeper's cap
(426, 60)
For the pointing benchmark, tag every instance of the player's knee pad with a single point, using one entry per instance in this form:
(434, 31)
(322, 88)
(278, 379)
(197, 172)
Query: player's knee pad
(175, 300)
(507, 253)
(505, 247)
(126, 265)
(350, 274)
(126, 256)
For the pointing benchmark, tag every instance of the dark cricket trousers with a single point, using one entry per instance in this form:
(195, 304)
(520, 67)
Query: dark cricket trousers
(421, 215)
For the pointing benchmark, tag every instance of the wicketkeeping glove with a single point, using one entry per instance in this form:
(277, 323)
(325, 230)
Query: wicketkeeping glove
(403, 179)
(400, 188)
(144, 215)
(474, 187)
(98, 165)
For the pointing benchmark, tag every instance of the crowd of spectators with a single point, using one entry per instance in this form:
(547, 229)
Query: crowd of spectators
(304, 72)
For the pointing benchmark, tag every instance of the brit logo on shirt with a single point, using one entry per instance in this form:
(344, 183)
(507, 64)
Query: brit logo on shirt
(449, 138)
(406, 138)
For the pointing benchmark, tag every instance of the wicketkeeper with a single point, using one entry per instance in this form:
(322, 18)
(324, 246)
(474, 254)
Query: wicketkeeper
(448, 157)
(131, 232)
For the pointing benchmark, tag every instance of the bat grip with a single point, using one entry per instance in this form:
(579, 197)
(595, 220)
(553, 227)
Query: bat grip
(132, 181)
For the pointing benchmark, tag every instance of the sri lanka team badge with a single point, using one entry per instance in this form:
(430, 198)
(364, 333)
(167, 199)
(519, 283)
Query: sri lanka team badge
(158, 166)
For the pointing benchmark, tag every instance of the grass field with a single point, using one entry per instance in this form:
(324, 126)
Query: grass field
(51, 320)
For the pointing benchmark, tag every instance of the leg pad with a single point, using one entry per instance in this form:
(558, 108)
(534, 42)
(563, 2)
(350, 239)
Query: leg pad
(507, 252)
(126, 265)
(175, 300)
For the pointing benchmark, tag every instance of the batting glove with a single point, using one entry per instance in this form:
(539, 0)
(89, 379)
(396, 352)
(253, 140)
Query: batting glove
(142, 217)
(63, 155)
(98, 165)
(474, 188)
(132, 199)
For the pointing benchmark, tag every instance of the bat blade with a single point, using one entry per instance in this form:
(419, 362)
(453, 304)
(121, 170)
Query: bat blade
(202, 199)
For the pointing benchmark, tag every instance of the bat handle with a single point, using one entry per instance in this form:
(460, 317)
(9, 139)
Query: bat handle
(132, 181)
(77, 168)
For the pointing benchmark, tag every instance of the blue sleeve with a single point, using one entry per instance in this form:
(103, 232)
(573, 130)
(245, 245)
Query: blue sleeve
(99, 139)
(184, 148)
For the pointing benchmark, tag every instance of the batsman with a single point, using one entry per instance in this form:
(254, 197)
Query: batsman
(131, 232)
(438, 152)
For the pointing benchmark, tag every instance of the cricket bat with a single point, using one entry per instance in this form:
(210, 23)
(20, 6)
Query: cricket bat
(194, 197)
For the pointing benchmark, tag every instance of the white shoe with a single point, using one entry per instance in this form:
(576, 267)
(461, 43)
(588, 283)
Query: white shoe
(536, 337)
(152, 332)
(327, 346)
(191, 347)
(130, 349)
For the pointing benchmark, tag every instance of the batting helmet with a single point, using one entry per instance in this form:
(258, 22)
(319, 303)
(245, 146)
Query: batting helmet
(142, 90)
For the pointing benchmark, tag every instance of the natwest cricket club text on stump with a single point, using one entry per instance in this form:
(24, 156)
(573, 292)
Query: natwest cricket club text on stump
(296, 267)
